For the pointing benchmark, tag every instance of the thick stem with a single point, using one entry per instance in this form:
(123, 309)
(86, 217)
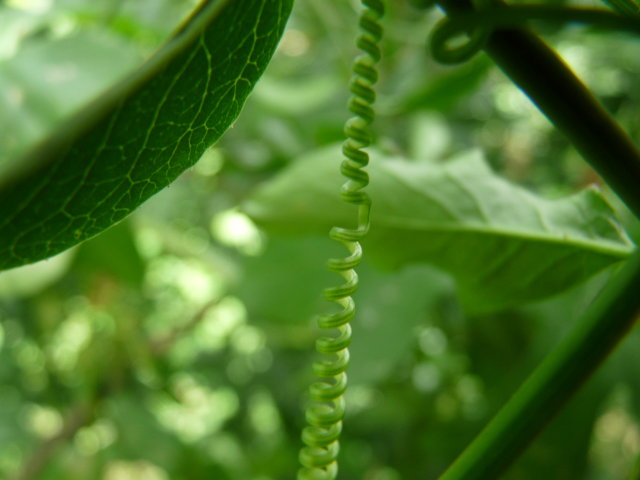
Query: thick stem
(569, 105)
(544, 77)
(552, 384)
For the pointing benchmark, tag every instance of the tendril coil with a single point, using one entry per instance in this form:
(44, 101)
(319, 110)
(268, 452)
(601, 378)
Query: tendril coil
(488, 15)
(326, 411)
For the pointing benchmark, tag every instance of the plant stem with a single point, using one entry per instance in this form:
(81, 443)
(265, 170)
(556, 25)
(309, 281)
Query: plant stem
(551, 85)
(551, 385)
(569, 105)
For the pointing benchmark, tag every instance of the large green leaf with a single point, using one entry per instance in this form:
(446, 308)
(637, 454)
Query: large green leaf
(137, 138)
(504, 245)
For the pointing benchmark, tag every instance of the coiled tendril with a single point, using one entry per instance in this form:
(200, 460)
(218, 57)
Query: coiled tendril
(326, 411)
(477, 25)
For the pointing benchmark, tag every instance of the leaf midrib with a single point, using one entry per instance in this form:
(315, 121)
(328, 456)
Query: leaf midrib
(393, 223)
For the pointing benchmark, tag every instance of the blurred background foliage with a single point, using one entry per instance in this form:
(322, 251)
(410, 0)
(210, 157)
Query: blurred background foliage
(177, 345)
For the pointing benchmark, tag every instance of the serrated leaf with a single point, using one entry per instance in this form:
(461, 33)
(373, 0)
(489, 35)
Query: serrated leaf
(504, 245)
(137, 138)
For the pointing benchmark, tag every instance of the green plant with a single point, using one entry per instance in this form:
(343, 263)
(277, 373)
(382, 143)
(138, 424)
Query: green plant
(503, 245)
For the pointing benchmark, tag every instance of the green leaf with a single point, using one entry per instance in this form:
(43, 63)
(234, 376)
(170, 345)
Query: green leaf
(391, 306)
(139, 136)
(504, 245)
(443, 91)
(50, 78)
(112, 254)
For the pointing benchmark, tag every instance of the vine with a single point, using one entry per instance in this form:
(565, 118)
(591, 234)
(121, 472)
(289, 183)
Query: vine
(325, 413)
(563, 98)
(550, 84)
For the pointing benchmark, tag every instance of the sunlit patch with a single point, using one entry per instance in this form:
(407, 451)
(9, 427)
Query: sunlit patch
(236, 230)
(137, 470)
(12, 458)
(219, 323)
(210, 163)
(29, 279)
(71, 337)
(90, 440)
(226, 450)
(261, 360)
(189, 277)
(42, 421)
(9, 43)
(383, 473)
(33, 6)
(360, 398)
(616, 441)
(63, 25)
(247, 340)
(617, 425)
(426, 377)
(511, 102)
(432, 341)
(212, 333)
(607, 81)
(430, 136)
(263, 414)
(294, 43)
(148, 242)
(29, 356)
(194, 282)
(199, 411)
(577, 56)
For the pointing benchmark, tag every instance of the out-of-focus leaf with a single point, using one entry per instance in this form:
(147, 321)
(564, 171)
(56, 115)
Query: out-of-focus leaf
(113, 253)
(50, 78)
(296, 98)
(29, 279)
(442, 92)
(390, 308)
(285, 283)
(504, 245)
(284, 286)
(140, 435)
(137, 138)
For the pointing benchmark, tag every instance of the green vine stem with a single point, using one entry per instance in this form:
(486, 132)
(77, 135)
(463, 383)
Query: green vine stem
(606, 323)
(569, 105)
(325, 413)
(566, 101)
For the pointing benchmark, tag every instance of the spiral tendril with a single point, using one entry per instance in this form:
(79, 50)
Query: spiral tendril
(477, 25)
(325, 413)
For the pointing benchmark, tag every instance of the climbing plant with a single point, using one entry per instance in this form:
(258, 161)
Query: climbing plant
(432, 203)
